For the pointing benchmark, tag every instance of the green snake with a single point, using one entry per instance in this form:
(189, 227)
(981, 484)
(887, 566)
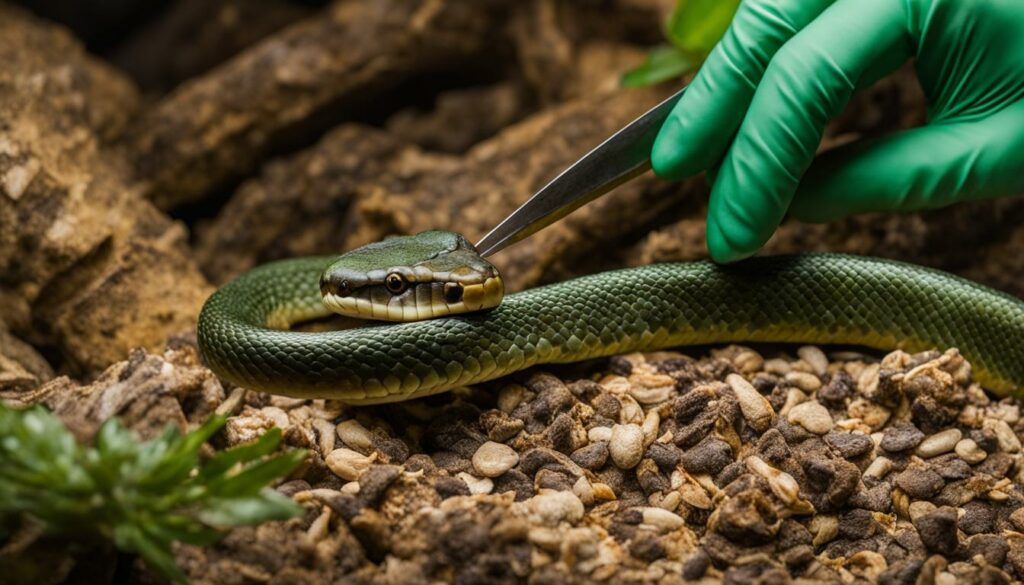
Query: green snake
(245, 331)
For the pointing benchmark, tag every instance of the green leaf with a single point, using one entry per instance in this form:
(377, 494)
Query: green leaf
(695, 26)
(267, 505)
(252, 478)
(225, 460)
(662, 64)
(145, 495)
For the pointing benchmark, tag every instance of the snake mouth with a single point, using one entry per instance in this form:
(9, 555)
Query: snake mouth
(415, 301)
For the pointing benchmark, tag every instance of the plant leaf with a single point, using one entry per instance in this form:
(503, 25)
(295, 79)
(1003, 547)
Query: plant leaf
(695, 26)
(266, 505)
(225, 460)
(662, 63)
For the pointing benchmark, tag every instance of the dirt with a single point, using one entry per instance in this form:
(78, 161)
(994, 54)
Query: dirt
(147, 158)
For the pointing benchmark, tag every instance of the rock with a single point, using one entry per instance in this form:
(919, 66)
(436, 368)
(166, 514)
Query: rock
(755, 408)
(348, 464)
(708, 456)
(90, 268)
(554, 507)
(626, 446)
(938, 531)
(849, 445)
(920, 482)
(939, 443)
(493, 459)
(970, 452)
(592, 457)
(902, 436)
(812, 416)
(978, 517)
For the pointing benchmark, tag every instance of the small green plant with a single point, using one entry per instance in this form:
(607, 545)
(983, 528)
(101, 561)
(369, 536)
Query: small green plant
(693, 29)
(142, 495)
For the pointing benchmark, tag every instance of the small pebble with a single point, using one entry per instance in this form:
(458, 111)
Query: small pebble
(477, 485)
(812, 416)
(662, 519)
(755, 408)
(598, 434)
(804, 381)
(902, 436)
(815, 358)
(1008, 440)
(493, 459)
(878, 468)
(920, 482)
(970, 452)
(626, 445)
(554, 507)
(348, 464)
(939, 443)
(355, 435)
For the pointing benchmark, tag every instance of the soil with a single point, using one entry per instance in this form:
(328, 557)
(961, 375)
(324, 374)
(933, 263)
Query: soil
(147, 157)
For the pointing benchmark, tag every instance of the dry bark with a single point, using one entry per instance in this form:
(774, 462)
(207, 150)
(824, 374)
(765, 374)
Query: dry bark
(219, 126)
(89, 267)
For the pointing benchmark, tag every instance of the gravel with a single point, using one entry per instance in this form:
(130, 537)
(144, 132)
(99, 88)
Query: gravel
(779, 469)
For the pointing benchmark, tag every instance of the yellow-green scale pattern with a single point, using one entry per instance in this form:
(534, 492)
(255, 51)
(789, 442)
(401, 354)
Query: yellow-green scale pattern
(812, 298)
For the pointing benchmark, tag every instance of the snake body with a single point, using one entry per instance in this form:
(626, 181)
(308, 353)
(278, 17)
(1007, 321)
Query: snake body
(815, 298)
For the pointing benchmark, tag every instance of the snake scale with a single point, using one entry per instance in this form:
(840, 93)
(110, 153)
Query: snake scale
(813, 298)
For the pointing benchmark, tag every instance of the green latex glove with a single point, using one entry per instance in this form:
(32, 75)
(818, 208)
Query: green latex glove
(760, 103)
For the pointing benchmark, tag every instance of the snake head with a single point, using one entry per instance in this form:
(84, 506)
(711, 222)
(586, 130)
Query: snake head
(411, 278)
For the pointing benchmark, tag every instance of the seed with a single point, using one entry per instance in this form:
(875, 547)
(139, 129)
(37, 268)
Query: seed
(970, 452)
(494, 459)
(626, 446)
(755, 408)
(812, 416)
(939, 443)
(348, 464)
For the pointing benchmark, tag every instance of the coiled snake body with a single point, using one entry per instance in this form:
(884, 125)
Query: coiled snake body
(814, 298)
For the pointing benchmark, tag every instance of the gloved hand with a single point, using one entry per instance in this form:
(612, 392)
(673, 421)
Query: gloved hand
(759, 106)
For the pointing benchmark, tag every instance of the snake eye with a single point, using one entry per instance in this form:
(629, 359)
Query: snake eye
(395, 283)
(453, 292)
